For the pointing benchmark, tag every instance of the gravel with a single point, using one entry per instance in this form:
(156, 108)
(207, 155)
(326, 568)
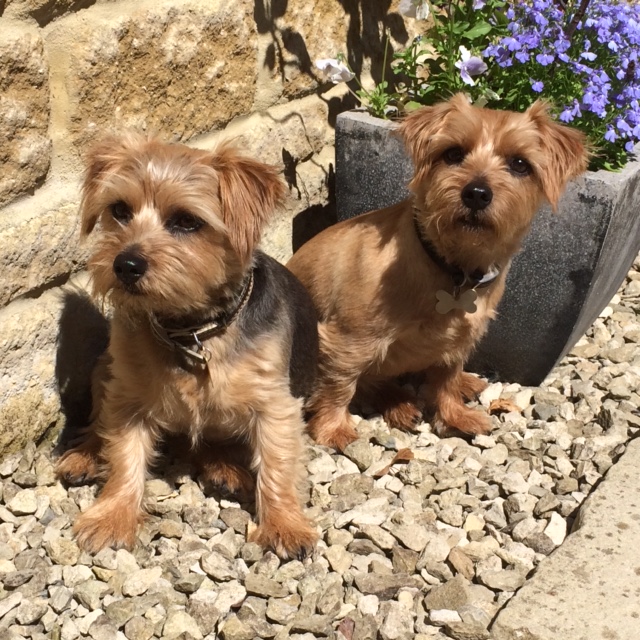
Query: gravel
(427, 545)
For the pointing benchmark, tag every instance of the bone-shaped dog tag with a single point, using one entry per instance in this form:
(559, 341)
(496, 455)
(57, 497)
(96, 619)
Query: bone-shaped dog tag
(447, 302)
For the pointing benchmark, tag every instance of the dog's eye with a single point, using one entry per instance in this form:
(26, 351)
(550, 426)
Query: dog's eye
(454, 155)
(519, 166)
(121, 211)
(183, 222)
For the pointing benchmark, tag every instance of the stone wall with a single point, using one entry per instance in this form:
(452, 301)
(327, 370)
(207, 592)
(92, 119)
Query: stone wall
(189, 70)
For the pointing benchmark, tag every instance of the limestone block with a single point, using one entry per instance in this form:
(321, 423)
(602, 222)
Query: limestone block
(303, 32)
(285, 135)
(299, 40)
(39, 249)
(47, 349)
(25, 146)
(177, 69)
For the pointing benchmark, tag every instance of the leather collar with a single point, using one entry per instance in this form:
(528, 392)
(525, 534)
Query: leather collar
(189, 340)
(461, 278)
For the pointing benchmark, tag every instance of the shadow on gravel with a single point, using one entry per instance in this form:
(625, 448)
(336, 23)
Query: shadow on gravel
(83, 336)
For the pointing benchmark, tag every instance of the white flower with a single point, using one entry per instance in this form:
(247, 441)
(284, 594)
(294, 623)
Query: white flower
(335, 70)
(418, 9)
(469, 66)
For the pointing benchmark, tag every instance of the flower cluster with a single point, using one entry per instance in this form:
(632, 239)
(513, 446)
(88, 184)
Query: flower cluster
(586, 65)
(448, 58)
(580, 55)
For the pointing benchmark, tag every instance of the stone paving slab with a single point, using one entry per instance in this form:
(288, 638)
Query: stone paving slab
(589, 588)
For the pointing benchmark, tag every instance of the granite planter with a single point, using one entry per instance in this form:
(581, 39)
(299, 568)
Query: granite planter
(569, 268)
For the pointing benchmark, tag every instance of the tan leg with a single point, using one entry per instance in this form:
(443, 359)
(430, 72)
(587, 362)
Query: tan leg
(277, 437)
(342, 361)
(397, 405)
(129, 447)
(445, 389)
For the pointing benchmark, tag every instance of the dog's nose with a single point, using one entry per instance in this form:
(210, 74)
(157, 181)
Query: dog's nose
(129, 267)
(477, 195)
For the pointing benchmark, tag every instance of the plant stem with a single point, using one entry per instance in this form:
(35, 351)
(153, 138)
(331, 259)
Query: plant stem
(450, 51)
(577, 16)
(384, 59)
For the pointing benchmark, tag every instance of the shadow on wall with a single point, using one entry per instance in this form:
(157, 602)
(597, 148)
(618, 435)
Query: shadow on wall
(83, 337)
(316, 218)
(311, 222)
(369, 21)
(49, 11)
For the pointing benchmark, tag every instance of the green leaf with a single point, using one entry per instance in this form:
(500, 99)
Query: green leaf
(460, 27)
(480, 29)
(412, 105)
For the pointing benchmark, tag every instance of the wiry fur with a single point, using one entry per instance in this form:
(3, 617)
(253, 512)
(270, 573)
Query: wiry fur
(374, 286)
(246, 405)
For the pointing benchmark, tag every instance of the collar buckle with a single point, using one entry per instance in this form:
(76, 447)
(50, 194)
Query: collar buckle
(202, 351)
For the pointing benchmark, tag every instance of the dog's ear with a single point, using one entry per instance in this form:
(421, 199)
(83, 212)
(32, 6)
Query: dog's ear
(97, 161)
(565, 148)
(249, 193)
(419, 127)
(102, 157)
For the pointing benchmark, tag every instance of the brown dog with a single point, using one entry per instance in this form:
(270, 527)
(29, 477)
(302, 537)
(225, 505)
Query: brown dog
(209, 338)
(411, 288)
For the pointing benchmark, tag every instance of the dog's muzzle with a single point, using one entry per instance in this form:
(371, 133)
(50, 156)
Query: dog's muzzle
(129, 267)
(477, 195)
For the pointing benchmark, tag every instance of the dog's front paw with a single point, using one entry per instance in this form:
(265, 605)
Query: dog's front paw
(471, 386)
(77, 466)
(405, 416)
(338, 439)
(331, 433)
(470, 421)
(229, 479)
(290, 537)
(106, 525)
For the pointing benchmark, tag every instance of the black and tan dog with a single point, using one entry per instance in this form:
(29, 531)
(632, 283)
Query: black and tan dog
(209, 338)
(411, 288)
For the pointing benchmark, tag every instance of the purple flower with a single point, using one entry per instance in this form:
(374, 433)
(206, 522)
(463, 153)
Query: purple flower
(623, 126)
(610, 135)
(469, 66)
(545, 59)
(565, 115)
(536, 85)
(512, 44)
(478, 4)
